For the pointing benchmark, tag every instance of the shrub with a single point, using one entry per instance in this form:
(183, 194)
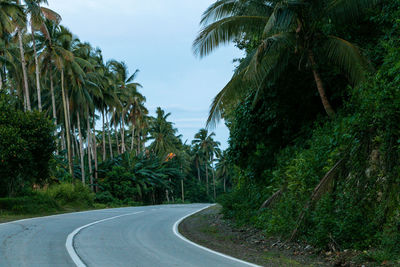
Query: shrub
(26, 147)
(71, 194)
(36, 203)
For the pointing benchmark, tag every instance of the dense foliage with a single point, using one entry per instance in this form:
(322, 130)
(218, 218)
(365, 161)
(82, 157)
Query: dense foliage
(56, 91)
(26, 147)
(299, 175)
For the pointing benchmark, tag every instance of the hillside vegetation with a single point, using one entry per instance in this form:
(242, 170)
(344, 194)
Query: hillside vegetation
(313, 111)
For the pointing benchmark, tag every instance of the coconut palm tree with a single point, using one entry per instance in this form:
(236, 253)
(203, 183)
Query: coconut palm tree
(208, 146)
(12, 17)
(283, 28)
(223, 168)
(127, 89)
(198, 155)
(52, 56)
(163, 134)
(38, 16)
(136, 114)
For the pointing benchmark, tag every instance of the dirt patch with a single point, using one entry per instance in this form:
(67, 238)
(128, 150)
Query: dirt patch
(208, 229)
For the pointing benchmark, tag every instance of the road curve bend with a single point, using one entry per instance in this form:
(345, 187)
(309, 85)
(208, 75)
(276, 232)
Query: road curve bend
(135, 236)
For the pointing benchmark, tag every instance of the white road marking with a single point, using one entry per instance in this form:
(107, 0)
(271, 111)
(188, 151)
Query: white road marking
(176, 232)
(108, 210)
(69, 244)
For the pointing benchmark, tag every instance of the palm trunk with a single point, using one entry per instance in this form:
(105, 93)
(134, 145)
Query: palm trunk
(76, 153)
(1, 81)
(142, 142)
(321, 89)
(224, 184)
(116, 133)
(138, 144)
(81, 148)
(67, 130)
(96, 175)
(37, 70)
(206, 165)
(24, 72)
(198, 170)
(53, 104)
(63, 146)
(68, 107)
(109, 136)
(213, 174)
(122, 128)
(72, 145)
(104, 137)
(183, 191)
(167, 195)
(133, 136)
(89, 148)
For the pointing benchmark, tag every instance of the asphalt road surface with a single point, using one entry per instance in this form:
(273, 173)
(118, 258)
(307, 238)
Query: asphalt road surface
(137, 237)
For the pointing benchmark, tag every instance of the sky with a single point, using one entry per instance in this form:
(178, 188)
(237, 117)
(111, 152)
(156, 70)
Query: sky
(155, 36)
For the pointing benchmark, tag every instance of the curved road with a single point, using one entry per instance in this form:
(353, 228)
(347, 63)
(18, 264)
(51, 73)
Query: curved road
(137, 236)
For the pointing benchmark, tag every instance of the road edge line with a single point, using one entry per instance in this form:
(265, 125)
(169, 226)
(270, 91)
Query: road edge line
(69, 243)
(175, 229)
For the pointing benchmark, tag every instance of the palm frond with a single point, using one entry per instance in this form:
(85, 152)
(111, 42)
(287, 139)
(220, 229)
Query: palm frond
(280, 20)
(347, 57)
(230, 92)
(220, 9)
(133, 76)
(225, 31)
(348, 10)
(51, 15)
(270, 58)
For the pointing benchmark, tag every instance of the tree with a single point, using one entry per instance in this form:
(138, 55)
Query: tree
(52, 56)
(285, 30)
(127, 89)
(208, 146)
(26, 147)
(13, 17)
(223, 168)
(137, 113)
(38, 16)
(162, 133)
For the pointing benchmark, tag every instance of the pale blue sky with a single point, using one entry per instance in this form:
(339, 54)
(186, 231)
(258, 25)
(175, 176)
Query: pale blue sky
(155, 36)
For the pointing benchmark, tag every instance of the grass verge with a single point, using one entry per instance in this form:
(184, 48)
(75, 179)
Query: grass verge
(208, 229)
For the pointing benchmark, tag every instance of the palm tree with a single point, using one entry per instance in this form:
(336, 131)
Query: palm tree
(284, 28)
(12, 17)
(206, 144)
(163, 134)
(8, 63)
(38, 16)
(224, 168)
(197, 158)
(86, 92)
(136, 114)
(52, 57)
(127, 91)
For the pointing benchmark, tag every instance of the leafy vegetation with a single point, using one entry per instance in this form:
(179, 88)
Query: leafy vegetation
(54, 91)
(300, 175)
(313, 113)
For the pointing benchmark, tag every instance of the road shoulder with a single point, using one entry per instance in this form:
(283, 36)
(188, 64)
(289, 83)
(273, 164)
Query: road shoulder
(207, 228)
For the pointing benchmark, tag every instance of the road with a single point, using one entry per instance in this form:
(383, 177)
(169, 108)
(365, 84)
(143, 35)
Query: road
(136, 236)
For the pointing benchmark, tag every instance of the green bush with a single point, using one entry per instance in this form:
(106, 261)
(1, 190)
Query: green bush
(26, 147)
(104, 197)
(36, 203)
(359, 207)
(71, 194)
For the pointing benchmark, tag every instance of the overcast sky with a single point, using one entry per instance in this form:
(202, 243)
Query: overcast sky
(155, 36)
